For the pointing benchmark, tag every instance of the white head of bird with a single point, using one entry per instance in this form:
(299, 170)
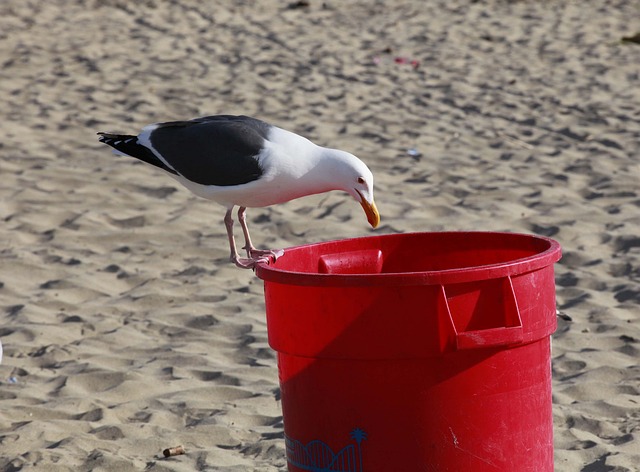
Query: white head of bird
(348, 173)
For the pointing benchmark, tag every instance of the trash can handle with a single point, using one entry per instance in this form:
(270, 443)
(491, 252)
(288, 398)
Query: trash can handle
(508, 332)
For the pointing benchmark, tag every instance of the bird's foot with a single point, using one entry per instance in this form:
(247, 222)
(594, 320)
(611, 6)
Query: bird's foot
(260, 253)
(256, 257)
(250, 263)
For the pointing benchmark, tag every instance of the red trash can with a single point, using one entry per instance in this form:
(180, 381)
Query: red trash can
(415, 352)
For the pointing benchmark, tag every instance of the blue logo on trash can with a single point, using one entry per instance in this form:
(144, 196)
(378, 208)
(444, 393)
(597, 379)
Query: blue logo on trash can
(317, 456)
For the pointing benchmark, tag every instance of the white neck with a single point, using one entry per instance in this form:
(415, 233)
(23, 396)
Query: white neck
(304, 168)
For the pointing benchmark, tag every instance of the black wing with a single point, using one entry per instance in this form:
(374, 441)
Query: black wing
(214, 150)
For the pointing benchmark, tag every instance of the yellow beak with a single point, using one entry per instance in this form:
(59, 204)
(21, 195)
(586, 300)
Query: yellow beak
(371, 211)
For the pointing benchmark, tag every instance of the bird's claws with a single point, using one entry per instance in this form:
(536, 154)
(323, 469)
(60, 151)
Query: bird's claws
(259, 253)
(276, 253)
(244, 263)
(257, 257)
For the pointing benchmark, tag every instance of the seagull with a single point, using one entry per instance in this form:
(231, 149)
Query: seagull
(244, 162)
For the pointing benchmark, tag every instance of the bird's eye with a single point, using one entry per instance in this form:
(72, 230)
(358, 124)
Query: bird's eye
(361, 180)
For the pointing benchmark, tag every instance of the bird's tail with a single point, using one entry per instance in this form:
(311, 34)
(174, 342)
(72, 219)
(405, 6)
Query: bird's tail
(123, 144)
(127, 145)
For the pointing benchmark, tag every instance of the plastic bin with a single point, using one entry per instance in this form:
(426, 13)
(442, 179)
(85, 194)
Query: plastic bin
(415, 352)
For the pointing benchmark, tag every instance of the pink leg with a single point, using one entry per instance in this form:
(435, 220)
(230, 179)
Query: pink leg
(241, 262)
(252, 252)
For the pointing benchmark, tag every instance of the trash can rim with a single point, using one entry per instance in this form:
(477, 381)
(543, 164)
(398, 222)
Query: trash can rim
(544, 258)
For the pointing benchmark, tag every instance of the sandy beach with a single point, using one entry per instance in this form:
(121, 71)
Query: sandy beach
(125, 328)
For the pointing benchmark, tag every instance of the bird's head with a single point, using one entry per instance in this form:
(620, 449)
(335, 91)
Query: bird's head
(357, 180)
(363, 194)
